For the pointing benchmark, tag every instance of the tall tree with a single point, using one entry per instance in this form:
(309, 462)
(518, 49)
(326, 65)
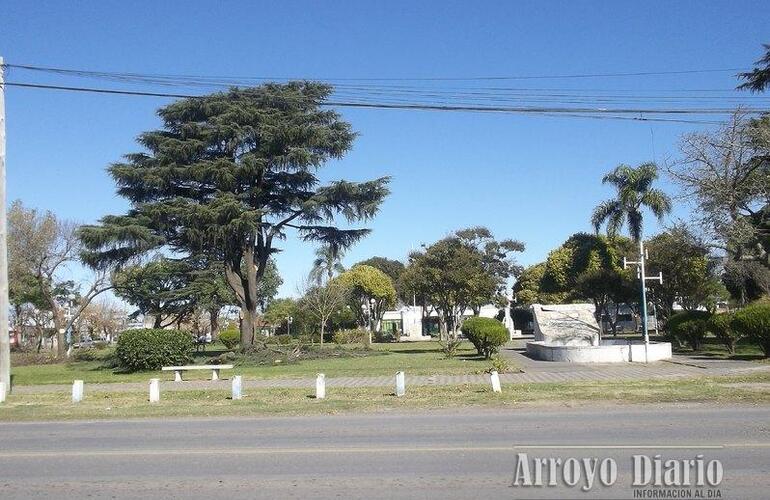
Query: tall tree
(393, 268)
(690, 274)
(634, 192)
(231, 173)
(726, 175)
(370, 293)
(327, 263)
(158, 288)
(40, 247)
(496, 260)
(462, 271)
(758, 79)
(323, 301)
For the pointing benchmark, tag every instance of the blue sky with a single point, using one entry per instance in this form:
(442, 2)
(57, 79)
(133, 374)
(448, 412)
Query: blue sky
(533, 178)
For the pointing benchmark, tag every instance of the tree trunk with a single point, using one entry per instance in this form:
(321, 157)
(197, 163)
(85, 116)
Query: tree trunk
(58, 323)
(323, 324)
(248, 322)
(158, 322)
(214, 323)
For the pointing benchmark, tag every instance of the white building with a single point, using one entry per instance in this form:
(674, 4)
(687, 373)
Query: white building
(407, 321)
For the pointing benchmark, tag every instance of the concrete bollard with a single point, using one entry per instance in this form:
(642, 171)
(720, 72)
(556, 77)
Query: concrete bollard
(400, 384)
(2, 392)
(237, 387)
(154, 390)
(320, 386)
(77, 391)
(495, 379)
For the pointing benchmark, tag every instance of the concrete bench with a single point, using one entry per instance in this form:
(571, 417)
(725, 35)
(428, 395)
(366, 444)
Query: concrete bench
(179, 369)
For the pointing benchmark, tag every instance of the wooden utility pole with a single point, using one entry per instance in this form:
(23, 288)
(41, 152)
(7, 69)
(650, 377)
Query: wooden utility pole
(5, 342)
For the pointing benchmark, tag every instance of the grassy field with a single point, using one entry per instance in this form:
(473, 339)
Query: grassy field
(266, 402)
(416, 358)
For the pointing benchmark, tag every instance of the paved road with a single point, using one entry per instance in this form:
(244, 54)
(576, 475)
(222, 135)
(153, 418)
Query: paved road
(458, 454)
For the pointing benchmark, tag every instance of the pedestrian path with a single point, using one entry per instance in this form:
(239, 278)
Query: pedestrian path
(534, 372)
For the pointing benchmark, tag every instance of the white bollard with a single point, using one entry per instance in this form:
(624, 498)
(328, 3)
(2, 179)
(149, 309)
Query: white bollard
(154, 390)
(77, 391)
(2, 392)
(237, 387)
(320, 386)
(400, 384)
(495, 379)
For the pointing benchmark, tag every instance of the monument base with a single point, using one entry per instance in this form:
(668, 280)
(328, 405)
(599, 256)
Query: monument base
(608, 351)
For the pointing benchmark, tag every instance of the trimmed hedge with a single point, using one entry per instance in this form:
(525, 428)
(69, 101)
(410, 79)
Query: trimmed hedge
(486, 334)
(230, 338)
(149, 349)
(357, 336)
(689, 327)
(721, 325)
(753, 321)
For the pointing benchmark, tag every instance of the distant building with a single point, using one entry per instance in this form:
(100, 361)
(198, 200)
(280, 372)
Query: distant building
(406, 322)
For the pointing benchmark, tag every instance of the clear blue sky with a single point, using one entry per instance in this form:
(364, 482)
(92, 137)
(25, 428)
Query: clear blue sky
(526, 177)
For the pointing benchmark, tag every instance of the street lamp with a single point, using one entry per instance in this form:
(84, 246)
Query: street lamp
(641, 273)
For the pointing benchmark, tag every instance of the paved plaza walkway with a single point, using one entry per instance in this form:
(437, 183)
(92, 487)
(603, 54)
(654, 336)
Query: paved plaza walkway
(532, 371)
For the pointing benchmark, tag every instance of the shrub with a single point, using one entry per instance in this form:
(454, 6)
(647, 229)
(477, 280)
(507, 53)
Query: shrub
(486, 334)
(230, 338)
(450, 347)
(357, 336)
(721, 325)
(689, 327)
(499, 364)
(753, 321)
(148, 349)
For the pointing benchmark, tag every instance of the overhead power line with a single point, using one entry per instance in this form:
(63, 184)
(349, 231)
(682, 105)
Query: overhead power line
(427, 94)
(574, 112)
(374, 79)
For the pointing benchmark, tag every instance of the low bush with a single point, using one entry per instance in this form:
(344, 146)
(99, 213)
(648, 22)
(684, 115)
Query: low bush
(689, 327)
(721, 325)
(486, 334)
(150, 349)
(357, 336)
(753, 322)
(499, 364)
(450, 347)
(230, 338)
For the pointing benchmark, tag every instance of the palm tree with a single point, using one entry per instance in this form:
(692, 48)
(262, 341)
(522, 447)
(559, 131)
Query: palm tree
(328, 260)
(635, 191)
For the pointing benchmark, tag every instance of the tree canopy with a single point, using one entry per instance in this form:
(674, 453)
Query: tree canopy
(634, 192)
(230, 174)
(370, 292)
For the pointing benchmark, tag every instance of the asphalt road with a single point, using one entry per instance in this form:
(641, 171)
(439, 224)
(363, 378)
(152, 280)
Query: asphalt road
(458, 454)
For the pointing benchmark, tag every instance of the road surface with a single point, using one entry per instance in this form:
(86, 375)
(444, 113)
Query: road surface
(468, 453)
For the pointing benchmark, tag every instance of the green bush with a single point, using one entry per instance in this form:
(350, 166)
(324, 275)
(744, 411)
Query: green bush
(357, 336)
(689, 327)
(450, 347)
(148, 349)
(499, 364)
(230, 338)
(486, 334)
(721, 325)
(753, 322)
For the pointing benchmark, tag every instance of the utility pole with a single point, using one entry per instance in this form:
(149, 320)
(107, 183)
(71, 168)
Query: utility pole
(5, 341)
(642, 274)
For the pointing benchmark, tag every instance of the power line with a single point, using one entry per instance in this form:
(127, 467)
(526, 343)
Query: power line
(565, 111)
(421, 79)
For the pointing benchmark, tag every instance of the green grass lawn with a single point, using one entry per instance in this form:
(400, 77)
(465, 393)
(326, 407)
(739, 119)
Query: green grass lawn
(266, 402)
(415, 358)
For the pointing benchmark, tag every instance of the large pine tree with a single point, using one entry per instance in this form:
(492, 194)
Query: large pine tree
(227, 176)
